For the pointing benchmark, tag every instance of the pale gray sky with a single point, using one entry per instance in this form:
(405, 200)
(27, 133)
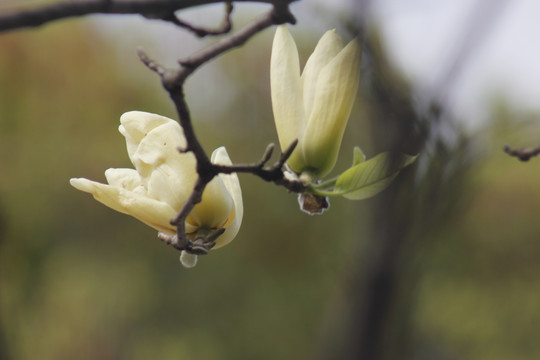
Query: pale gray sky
(422, 37)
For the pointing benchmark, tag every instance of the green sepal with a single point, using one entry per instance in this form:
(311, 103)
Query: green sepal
(326, 185)
(367, 178)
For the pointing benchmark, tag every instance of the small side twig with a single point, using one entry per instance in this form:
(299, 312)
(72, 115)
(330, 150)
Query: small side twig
(201, 32)
(173, 81)
(151, 64)
(523, 154)
(278, 15)
(273, 174)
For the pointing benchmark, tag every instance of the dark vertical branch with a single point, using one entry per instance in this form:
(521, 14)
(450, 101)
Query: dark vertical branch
(4, 352)
(391, 226)
(173, 81)
(400, 212)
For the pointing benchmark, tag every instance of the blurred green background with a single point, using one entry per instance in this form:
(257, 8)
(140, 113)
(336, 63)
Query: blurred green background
(79, 281)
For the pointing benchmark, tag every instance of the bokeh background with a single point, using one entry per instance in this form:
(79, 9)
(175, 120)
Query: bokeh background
(442, 265)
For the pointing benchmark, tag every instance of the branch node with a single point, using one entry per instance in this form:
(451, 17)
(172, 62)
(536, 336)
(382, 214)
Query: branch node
(281, 14)
(173, 81)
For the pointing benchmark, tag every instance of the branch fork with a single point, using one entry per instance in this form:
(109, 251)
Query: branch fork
(173, 81)
(201, 242)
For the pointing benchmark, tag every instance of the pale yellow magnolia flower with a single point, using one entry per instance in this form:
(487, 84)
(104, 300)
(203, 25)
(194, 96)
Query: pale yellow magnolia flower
(313, 107)
(155, 191)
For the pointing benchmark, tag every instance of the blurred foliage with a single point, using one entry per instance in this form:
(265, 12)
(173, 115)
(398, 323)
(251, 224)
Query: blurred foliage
(479, 285)
(78, 280)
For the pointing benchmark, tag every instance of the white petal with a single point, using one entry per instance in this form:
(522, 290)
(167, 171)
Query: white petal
(327, 48)
(166, 183)
(232, 184)
(128, 179)
(334, 97)
(214, 209)
(136, 124)
(286, 90)
(160, 144)
(156, 214)
(167, 174)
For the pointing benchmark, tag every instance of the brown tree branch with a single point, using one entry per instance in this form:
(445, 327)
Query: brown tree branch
(182, 242)
(522, 154)
(272, 174)
(40, 15)
(202, 245)
(173, 80)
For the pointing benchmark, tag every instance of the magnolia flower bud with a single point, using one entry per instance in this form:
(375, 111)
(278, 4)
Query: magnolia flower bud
(313, 107)
(163, 179)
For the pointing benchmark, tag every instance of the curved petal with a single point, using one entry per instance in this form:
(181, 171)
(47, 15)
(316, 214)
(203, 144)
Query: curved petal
(128, 179)
(168, 175)
(220, 156)
(334, 97)
(166, 184)
(160, 144)
(156, 214)
(327, 48)
(214, 209)
(286, 91)
(163, 180)
(136, 124)
(190, 228)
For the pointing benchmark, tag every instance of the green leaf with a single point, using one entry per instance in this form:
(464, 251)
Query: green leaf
(370, 177)
(325, 187)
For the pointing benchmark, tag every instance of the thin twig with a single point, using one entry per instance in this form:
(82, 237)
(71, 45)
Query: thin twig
(43, 14)
(155, 67)
(272, 173)
(522, 154)
(179, 221)
(173, 81)
(278, 15)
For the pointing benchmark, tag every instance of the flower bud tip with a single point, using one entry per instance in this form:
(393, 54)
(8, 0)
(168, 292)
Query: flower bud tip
(188, 260)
